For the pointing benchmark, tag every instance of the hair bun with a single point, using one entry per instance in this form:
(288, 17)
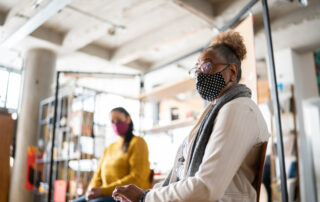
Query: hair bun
(233, 40)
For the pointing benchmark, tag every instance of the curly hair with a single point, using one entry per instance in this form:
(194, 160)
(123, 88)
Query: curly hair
(230, 47)
(233, 40)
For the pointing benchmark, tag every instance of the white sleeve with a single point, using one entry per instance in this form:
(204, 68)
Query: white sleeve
(232, 138)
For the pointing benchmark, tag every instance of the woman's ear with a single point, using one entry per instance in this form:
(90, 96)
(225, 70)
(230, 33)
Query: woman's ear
(128, 119)
(234, 72)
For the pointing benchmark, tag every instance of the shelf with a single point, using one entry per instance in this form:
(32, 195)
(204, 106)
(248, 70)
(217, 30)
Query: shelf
(99, 124)
(36, 192)
(46, 120)
(99, 136)
(63, 163)
(169, 90)
(173, 125)
(61, 159)
(48, 161)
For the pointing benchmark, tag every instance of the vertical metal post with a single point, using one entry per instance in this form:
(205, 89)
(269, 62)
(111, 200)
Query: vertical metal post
(275, 101)
(53, 135)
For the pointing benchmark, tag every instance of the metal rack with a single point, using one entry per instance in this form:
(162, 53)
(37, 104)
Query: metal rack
(53, 123)
(63, 133)
(45, 120)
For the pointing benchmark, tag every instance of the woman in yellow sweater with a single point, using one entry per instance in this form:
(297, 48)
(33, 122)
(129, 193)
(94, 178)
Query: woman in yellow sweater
(123, 162)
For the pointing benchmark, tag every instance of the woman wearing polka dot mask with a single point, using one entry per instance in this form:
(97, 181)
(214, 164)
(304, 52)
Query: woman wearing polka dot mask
(219, 66)
(218, 160)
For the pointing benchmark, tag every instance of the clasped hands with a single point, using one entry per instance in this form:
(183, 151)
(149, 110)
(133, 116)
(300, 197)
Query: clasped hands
(93, 193)
(128, 193)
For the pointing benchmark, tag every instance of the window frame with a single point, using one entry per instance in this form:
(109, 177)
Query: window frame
(10, 71)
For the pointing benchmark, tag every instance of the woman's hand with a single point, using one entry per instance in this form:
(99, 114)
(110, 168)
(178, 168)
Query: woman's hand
(128, 193)
(93, 193)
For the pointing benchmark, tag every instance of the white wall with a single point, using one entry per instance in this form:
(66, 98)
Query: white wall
(284, 66)
(311, 109)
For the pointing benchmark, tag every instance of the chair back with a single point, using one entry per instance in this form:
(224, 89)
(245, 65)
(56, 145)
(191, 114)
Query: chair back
(258, 180)
(151, 176)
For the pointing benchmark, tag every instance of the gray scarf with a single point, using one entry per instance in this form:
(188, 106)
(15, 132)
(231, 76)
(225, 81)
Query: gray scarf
(206, 127)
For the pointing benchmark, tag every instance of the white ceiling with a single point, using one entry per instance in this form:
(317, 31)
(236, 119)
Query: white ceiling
(136, 35)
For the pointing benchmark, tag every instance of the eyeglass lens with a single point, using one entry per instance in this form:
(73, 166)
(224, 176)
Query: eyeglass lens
(206, 67)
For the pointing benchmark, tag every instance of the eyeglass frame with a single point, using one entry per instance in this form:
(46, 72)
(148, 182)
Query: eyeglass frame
(197, 68)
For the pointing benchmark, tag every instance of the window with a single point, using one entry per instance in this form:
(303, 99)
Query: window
(4, 76)
(9, 88)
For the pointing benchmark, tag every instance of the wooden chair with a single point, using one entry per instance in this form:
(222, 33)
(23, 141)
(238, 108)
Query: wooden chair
(258, 179)
(151, 177)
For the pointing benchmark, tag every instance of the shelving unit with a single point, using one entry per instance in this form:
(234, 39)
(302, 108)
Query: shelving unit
(174, 106)
(169, 90)
(74, 147)
(167, 95)
(289, 123)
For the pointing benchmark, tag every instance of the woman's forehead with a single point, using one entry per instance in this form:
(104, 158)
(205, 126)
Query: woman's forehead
(117, 114)
(207, 54)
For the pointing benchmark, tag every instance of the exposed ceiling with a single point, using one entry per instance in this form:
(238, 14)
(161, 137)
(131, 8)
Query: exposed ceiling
(137, 35)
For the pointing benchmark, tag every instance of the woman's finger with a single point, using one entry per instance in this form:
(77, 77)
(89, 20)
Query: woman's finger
(121, 198)
(117, 198)
(119, 190)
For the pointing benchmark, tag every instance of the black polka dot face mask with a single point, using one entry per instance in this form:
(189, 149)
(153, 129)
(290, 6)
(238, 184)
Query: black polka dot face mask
(209, 86)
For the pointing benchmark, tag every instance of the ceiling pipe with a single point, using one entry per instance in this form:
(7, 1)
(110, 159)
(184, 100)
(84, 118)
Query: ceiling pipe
(50, 9)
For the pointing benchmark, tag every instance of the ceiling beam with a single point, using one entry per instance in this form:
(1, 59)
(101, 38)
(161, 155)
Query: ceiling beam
(84, 35)
(97, 51)
(287, 19)
(95, 28)
(308, 40)
(200, 8)
(179, 29)
(140, 65)
(285, 14)
(224, 11)
(49, 35)
(3, 17)
(18, 6)
(51, 8)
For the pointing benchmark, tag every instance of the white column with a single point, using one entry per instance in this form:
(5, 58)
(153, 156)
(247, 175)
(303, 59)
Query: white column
(38, 78)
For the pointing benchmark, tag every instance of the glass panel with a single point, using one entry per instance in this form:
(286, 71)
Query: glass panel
(13, 91)
(3, 87)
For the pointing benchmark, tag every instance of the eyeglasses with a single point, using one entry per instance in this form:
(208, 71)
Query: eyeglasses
(205, 68)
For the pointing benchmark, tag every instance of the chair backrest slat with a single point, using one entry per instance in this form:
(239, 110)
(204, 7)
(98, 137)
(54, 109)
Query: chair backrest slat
(258, 180)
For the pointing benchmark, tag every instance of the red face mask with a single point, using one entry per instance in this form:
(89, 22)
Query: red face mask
(120, 128)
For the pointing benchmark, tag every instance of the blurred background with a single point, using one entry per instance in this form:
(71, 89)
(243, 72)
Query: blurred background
(137, 54)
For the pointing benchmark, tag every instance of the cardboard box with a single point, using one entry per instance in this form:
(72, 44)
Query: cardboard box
(60, 190)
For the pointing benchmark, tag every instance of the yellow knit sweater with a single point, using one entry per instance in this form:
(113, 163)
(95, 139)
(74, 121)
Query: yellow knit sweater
(117, 168)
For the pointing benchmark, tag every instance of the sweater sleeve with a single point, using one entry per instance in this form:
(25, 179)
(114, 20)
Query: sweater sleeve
(139, 167)
(96, 180)
(231, 140)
